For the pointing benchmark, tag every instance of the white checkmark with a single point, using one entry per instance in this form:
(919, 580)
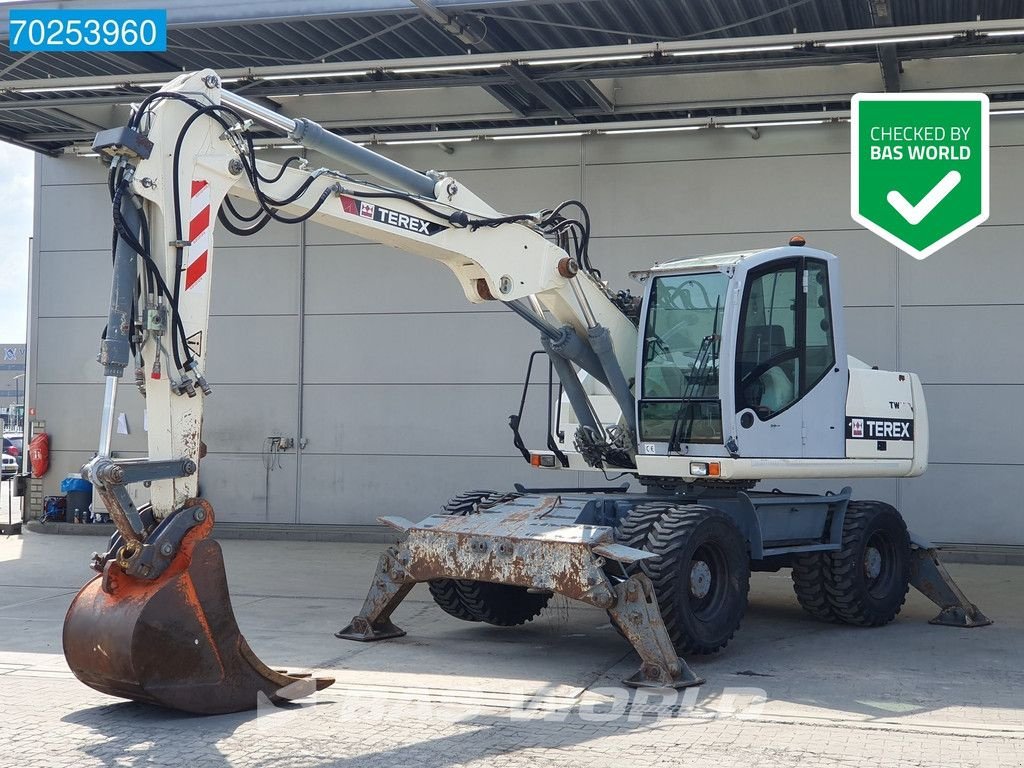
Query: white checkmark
(916, 213)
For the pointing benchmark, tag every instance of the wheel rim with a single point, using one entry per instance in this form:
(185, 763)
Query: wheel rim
(707, 580)
(879, 564)
(700, 579)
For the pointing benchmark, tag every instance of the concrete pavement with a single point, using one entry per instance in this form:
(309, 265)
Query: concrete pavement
(788, 691)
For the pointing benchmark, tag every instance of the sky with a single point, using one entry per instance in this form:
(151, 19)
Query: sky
(16, 171)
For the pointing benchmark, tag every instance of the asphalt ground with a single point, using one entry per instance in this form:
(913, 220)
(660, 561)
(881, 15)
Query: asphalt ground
(787, 691)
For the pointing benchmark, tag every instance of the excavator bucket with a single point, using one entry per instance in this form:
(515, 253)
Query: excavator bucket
(172, 641)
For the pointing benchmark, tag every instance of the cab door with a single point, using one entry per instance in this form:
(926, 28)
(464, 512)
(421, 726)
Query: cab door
(787, 384)
(768, 362)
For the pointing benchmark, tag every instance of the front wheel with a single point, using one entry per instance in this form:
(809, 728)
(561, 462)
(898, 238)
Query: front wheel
(701, 577)
(868, 578)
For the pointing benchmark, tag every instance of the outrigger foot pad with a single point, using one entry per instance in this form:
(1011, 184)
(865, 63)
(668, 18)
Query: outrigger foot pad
(956, 616)
(930, 577)
(362, 630)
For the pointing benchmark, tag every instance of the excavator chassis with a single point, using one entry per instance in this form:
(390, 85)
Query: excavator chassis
(170, 639)
(540, 547)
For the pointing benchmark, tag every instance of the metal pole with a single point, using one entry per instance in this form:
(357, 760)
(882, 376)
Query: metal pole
(107, 419)
(17, 402)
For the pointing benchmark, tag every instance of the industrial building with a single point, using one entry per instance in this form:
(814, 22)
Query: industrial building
(12, 383)
(351, 380)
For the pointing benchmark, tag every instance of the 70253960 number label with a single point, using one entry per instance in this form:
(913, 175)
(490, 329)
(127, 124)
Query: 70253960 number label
(87, 30)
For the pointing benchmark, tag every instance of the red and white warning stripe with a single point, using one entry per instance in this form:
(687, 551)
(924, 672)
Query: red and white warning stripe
(198, 233)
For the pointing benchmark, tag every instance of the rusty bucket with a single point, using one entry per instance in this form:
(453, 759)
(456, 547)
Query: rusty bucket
(172, 641)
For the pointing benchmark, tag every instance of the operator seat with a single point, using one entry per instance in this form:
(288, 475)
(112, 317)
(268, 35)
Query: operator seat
(761, 343)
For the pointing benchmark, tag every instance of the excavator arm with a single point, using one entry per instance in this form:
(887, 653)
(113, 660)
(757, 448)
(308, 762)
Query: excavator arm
(188, 149)
(156, 624)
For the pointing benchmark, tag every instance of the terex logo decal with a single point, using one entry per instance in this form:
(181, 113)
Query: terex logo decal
(387, 216)
(864, 428)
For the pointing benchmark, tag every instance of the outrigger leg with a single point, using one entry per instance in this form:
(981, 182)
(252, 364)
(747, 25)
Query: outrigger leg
(527, 549)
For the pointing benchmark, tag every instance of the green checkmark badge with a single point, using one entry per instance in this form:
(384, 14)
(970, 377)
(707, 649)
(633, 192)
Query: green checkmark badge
(919, 167)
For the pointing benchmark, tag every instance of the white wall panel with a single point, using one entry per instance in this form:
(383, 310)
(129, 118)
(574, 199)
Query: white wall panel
(422, 420)
(975, 424)
(963, 345)
(359, 489)
(258, 280)
(375, 279)
(871, 335)
(239, 417)
(73, 410)
(457, 347)
(243, 490)
(968, 503)
(76, 217)
(67, 351)
(74, 283)
(408, 386)
(985, 266)
(252, 349)
(755, 194)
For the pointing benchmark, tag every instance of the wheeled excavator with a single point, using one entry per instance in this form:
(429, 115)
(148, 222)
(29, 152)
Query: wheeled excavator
(726, 372)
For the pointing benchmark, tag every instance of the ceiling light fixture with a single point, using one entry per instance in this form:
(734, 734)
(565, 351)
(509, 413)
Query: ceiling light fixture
(886, 40)
(664, 129)
(771, 123)
(1003, 33)
(69, 88)
(748, 49)
(514, 136)
(316, 75)
(397, 142)
(443, 68)
(585, 59)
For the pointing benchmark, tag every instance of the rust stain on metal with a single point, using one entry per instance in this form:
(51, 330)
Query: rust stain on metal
(171, 641)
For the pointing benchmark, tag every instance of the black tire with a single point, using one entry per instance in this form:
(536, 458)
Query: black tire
(809, 584)
(702, 616)
(503, 605)
(636, 526)
(868, 578)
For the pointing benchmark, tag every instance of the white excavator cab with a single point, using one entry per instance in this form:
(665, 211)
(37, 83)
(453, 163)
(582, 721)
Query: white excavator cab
(742, 364)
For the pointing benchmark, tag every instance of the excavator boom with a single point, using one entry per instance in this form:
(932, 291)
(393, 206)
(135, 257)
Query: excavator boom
(156, 624)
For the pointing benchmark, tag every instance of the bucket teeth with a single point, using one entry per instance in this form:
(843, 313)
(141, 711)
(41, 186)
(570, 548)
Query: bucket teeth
(172, 641)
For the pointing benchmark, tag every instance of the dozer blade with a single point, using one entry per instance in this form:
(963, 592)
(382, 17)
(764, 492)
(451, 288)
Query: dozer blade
(536, 543)
(172, 641)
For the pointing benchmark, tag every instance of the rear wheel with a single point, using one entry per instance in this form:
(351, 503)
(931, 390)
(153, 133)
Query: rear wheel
(701, 576)
(868, 578)
(503, 605)
(809, 584)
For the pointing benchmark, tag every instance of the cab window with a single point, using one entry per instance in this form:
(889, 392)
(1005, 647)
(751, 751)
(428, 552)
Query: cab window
(785, 344)
(821, 354)
(768, 352)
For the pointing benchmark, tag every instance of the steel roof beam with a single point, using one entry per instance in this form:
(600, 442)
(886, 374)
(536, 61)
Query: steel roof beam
(881, 18)
(596, 95)
(663, 49)
(454, 28)
(538, 91)
(281, 90)
(203, 13)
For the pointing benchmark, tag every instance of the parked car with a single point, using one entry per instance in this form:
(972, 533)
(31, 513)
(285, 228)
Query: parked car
(10, 466)
(13, 445)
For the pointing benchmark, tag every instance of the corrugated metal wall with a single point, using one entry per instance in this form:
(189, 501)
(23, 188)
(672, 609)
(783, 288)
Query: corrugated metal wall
(406, 388)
